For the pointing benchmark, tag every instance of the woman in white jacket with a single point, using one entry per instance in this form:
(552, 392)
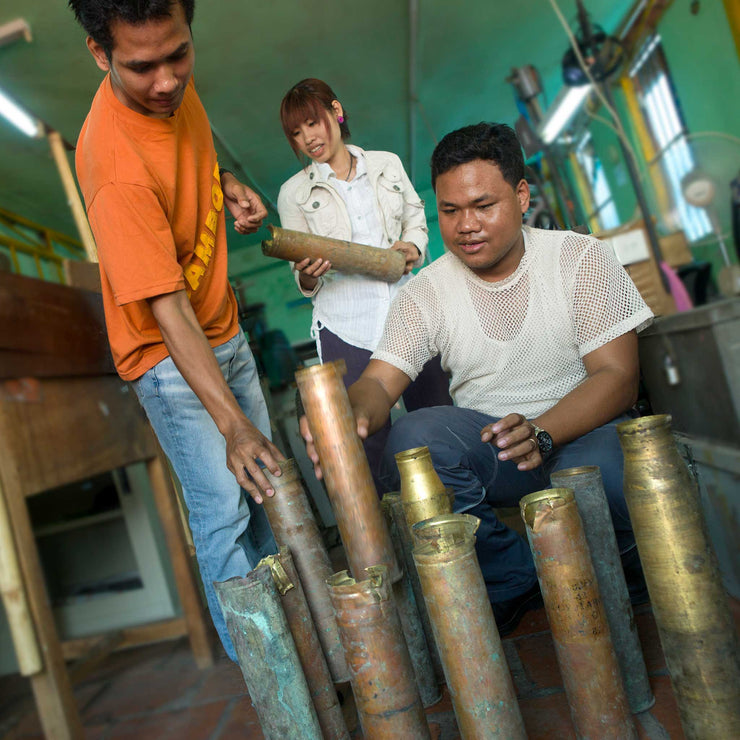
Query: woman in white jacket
(362, 196)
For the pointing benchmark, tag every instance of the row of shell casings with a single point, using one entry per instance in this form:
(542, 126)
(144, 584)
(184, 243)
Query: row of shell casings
(464, 629)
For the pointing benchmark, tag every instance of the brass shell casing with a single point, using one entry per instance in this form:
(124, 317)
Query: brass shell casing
(347, 257)
(313, 662)
(387, 698)
(593, 508)
(580, 631)
(688, 599)
(349, 482)
(294, 526)
(470, 648)
(422, 492)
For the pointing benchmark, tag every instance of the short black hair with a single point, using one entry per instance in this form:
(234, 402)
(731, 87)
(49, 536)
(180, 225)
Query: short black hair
(96, 16)
(495, 142)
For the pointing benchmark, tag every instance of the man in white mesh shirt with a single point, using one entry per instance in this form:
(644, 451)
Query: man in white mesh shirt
(538, 330)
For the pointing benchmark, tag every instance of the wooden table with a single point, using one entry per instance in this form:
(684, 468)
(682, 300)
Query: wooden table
(66, 416)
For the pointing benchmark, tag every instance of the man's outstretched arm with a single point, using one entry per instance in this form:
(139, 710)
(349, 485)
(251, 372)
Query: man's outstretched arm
(372, 397)
(194, 358)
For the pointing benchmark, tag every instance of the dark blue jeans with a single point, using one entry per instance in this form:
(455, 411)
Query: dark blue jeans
(482, 482)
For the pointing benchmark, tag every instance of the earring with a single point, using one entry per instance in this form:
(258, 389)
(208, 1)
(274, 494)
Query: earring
(340, 119)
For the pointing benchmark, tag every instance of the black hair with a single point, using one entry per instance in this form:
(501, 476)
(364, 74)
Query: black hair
(494, 142)
(97, 16)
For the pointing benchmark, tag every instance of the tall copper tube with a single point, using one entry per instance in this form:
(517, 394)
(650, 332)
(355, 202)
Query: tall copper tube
(580, 631)
(307, 644)
(347, 257)
(349, 483)
(477, 675)
(403, 543)
(689, 602)
(422, 492)
(593, 509)
(294, 525)
(387, 698)
(268, 657)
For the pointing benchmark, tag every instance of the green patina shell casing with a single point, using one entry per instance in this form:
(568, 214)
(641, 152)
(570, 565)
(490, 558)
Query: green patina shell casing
(268, 657)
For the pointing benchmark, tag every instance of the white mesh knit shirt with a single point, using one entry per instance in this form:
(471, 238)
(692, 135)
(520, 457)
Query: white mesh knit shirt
(515, 345)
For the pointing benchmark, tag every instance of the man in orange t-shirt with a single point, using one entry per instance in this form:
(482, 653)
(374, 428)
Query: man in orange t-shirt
(155, 198)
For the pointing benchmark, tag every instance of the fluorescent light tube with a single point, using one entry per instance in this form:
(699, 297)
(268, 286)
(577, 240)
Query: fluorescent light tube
(18, 117)
(562, 111)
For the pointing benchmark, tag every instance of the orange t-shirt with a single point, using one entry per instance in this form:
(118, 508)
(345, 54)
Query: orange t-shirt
(154, 200)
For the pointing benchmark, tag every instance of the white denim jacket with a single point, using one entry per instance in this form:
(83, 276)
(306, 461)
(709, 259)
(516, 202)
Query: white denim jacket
(354, 307)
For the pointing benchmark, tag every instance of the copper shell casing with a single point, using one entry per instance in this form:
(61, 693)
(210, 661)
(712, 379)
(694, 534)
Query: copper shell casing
(294, 526)
(349, 483)
(682, 574)
(310, 653)
(580, 631)
(387, 698)
(422, 492)
(465, 632)
(347, 257)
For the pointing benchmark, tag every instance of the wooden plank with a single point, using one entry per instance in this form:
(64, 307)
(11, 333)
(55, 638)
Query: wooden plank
(195, 616)
(128, 637)
(51, 686)
(77, 428)
(55, 321)
(85, 275)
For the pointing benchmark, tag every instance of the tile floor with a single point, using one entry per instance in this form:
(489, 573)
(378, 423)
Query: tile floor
(157, 693)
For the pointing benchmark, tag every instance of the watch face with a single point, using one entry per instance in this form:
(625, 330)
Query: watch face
(544, 440)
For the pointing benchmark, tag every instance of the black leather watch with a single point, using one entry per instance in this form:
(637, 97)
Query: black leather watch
(544, 442)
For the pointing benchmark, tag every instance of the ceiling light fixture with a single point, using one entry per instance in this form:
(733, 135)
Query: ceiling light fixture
(11, 111)
(562, 111)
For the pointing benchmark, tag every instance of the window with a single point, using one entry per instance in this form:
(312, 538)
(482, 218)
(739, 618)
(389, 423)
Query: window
(666, 126)
(604, 210)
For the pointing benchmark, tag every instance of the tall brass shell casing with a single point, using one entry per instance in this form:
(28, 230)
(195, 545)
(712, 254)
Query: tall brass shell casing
(422, 492)
(387, 698)
(689, 602)
(347, 257)
(478, 678)
(349, 483)
(293, 524)
(315, 669)
(593, 509)
(580, 631)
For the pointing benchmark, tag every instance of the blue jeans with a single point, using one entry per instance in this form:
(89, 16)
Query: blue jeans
(230, 532)
(482, 482)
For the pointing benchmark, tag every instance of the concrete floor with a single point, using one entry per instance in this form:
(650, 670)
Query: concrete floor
(156, 693)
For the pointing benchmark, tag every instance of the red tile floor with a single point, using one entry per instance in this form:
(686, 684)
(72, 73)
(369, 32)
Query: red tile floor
(157, 693)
